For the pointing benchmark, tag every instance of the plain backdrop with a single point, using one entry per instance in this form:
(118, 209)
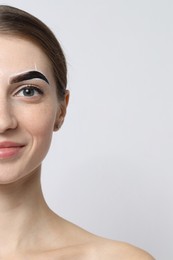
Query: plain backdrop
(110, 167)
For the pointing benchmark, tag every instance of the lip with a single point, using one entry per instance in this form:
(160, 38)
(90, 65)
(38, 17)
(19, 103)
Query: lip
(10, 149)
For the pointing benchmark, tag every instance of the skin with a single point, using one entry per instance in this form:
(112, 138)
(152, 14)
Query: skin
(29, 229)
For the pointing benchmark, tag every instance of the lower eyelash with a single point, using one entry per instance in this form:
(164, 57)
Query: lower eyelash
(38, 90)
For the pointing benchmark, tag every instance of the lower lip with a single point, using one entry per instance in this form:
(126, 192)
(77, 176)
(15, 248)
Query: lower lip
(9, 152)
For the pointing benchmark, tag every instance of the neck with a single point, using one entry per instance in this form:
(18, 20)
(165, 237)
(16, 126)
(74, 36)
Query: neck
(21, 205)
(13, 195)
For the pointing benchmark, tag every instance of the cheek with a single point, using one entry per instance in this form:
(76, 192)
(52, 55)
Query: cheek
(39, 124)
(38, 129)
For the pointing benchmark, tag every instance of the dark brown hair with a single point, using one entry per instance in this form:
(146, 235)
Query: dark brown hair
(14, 21)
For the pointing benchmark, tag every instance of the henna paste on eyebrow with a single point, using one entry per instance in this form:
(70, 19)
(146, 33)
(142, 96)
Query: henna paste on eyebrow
(29, 75)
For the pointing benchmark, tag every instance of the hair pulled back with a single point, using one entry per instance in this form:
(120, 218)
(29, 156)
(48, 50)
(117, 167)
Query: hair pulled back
(14, 21)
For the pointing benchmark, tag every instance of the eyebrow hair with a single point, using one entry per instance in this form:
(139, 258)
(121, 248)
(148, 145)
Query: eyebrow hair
(28, 75)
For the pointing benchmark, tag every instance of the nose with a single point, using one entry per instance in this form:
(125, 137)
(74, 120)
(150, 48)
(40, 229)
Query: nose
(7, 118)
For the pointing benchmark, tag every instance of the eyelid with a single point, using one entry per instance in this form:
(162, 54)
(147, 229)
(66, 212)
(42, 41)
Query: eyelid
(23, 87)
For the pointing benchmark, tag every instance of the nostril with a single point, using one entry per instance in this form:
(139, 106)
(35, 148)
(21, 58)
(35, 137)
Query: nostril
(7, 121)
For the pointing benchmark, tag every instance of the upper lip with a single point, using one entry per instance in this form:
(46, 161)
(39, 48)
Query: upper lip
(8, 144)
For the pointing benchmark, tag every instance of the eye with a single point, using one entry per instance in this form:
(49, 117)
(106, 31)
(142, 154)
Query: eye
(29, 91)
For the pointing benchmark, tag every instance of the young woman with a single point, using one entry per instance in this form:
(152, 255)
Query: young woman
(33, 102)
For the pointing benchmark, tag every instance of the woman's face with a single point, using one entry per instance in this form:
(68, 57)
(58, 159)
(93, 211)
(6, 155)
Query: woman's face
(29, 108)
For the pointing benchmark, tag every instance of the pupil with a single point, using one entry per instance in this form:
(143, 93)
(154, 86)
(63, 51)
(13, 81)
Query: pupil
(29, 92)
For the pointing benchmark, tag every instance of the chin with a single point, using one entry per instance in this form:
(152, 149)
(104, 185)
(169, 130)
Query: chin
(10, 177)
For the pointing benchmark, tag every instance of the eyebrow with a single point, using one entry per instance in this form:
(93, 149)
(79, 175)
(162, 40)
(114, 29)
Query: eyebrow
(28, 75)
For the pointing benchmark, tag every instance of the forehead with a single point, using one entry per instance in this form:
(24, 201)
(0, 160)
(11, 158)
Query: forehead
(18, 55)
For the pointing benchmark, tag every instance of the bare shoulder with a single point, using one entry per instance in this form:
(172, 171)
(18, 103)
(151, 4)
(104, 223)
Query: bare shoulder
(79, 244)
(103, 249)
(92, 247)
(112, 250)
(98, 249)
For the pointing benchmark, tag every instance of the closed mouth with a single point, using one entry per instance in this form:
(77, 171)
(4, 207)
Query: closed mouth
(9, 149)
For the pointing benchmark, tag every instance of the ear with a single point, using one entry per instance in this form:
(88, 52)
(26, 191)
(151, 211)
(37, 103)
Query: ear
(61, 111)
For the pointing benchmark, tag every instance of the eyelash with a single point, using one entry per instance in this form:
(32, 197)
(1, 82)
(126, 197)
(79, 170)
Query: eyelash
(30, 87)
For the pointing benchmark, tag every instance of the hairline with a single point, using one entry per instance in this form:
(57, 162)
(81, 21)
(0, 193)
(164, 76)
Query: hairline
(32, 39)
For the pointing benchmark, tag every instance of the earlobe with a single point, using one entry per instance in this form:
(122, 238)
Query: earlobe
(61, 113)
(59, 119)
(58, 125)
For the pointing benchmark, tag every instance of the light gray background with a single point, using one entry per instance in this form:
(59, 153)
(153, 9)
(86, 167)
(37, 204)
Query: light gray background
(110, 167)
